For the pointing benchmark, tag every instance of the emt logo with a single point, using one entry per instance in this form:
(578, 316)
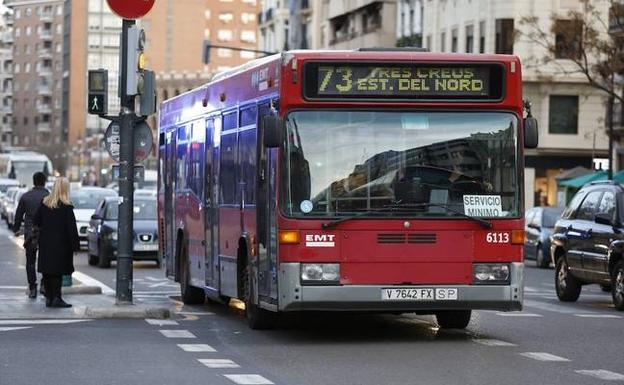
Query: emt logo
(320, 240)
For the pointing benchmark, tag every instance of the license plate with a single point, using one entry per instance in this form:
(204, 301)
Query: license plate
(419, 294)
(145, 247)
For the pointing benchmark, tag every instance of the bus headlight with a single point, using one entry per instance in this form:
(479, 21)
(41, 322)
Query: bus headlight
(320, 272)
(490, 273)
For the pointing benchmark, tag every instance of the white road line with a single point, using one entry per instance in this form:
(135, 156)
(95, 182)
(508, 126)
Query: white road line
(17, 328)
(177, 334)
(218, 363)
(540, 356)
(597, 316)
(42, 321)
(602, 374)
(89, 281)
(160, 322)
(492, 342)
(157, 292)
(552, 307)
(194, 312)
(196, 348)
(519, 315)
(12, 287)
(248, 379)
(529, 289)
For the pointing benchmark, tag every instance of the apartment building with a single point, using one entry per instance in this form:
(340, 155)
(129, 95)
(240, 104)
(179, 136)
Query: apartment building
(274, 25)
(409, 23)
(37, 76)
(570, 113)
(6, 77)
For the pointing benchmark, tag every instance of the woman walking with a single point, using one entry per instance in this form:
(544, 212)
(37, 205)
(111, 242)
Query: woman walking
(58, 239)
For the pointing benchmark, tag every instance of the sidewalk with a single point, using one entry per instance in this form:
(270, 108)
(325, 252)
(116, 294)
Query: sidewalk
(88, 301)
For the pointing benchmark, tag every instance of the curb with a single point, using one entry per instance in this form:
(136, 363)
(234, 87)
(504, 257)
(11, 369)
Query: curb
(82, 289)
(126, 311)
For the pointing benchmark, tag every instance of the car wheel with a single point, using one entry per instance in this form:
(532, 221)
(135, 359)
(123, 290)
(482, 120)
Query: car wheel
(540, 259)
(103, 262)
(453, 319)
(568, 287)
(191, 295)
(617, 285)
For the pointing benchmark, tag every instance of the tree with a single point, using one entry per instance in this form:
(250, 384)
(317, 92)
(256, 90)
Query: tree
(588, 41)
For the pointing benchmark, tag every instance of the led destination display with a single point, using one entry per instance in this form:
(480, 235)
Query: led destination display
(403, 81)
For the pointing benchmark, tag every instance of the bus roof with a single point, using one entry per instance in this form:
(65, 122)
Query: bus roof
(263, 77)
(24, 156)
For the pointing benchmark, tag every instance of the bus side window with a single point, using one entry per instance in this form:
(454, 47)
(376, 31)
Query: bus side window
(182, 154)
(228, 167)
(247, 153)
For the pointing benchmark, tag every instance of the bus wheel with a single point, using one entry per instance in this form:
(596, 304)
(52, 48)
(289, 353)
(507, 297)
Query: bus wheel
(257, 318)
(191, 295)
(453, 319)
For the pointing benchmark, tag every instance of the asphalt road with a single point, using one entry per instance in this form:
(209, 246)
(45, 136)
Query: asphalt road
(548, 343)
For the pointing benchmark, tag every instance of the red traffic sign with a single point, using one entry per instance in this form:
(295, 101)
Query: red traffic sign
(130, 9)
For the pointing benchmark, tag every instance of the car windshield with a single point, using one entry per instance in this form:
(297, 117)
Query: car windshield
(340, 163)
(89, 199)
(550, 217)
(143, 210)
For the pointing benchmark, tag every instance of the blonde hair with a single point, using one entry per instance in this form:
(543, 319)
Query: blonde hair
(59, 194)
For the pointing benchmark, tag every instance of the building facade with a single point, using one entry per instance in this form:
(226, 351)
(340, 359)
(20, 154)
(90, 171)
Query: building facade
(38, 75)
(274, 25)
(409, 23)
(570, 112)
(6, 78)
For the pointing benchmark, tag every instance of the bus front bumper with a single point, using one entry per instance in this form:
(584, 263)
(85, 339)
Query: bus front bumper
(368, 298)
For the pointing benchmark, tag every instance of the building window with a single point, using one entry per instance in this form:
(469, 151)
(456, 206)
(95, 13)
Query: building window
(224, 52)
(207, 14)
(225, 35)
(28, 30)
(568, 39)
(563, 114)
(443, 42)
(504, 36)
(428, 42)
(482, 37)
(454, 40)
(469, 39)
(226, 17)
(248, 36)
(247, 17)
(247, 55)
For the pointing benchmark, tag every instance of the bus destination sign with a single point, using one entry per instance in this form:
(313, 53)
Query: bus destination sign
(403, 81)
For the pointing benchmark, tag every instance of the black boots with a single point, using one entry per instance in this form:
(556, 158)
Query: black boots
(32, 291)
(57, 302)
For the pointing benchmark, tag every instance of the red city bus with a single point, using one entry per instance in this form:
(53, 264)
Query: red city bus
(374, 181)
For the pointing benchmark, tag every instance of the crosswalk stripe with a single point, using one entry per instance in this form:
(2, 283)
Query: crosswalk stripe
(7, 329)
(541, 356)
(492, 342)
(196, 348)
(248, 379)
(177, 334)
(597, 316)
(602, 374)
(519, 315)
(552, 307)
(42, 321)
(160, 322)
(218, 363)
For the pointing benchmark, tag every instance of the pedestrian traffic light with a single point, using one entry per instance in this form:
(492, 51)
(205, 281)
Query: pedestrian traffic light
(97, 101)
(135, 62)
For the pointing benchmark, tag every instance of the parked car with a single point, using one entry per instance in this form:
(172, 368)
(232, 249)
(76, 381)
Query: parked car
(5, 198)
(85, 201)
(5, 183)
(539, 224)
(12, 206)
(587, 245)
(103, 232)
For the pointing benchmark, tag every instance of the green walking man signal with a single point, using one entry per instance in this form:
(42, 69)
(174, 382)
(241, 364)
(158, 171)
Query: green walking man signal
(97, 101)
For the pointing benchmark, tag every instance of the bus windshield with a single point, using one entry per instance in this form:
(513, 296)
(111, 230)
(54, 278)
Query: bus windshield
(423, 164)
(23, 169)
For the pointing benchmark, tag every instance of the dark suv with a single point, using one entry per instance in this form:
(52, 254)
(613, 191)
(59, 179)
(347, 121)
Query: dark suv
(588, 243)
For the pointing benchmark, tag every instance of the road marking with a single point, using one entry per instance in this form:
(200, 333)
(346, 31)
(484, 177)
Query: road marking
(540, 356)
(218, 363)
(16, 328)
(552, 307)
(602, 374)
(529, 289)
(89, 281)
(42, 321)
(12, 287)
(597, 316)
(492, 342)
(160, 322)
(248, 379)
(196, 348)
(177, 334)
(519, 315)
(194, 312)
(171, 292)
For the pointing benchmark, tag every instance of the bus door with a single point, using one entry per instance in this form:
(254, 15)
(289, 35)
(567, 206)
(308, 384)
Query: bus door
(266, 212)
(211, 206)
(170, 157)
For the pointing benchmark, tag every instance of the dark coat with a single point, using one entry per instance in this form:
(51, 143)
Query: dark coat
(58, 239)
(26, 209)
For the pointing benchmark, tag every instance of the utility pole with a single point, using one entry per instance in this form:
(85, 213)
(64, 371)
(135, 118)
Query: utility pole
(610, 108)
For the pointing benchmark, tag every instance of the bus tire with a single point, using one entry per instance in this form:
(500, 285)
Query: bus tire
(257, 318)
(453, 319)
(568, 287)
(191, 295)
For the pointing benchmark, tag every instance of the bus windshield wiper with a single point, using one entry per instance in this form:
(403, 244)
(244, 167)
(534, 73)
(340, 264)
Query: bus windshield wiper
(331, 224)
(486, 224)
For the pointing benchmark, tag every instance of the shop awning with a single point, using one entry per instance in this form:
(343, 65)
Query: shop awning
(573, 173)
(581, 181)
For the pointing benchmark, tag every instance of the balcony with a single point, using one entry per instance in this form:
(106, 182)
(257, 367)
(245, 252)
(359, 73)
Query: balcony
(7, 38)
(47, 17)
(45, 71)
(45, 53)
(268, 15)
(44, 108)
(44, 127)
(45, 35)
(6, 110)
(44, 90)
(6, 129)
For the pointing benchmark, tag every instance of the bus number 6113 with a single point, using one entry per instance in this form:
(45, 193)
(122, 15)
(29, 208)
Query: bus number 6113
(497, 238)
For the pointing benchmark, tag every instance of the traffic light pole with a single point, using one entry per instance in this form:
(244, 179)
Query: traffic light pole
(125, 229)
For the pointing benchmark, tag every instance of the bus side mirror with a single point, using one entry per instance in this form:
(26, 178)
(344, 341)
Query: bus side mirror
(531, 136)
(273, 131)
